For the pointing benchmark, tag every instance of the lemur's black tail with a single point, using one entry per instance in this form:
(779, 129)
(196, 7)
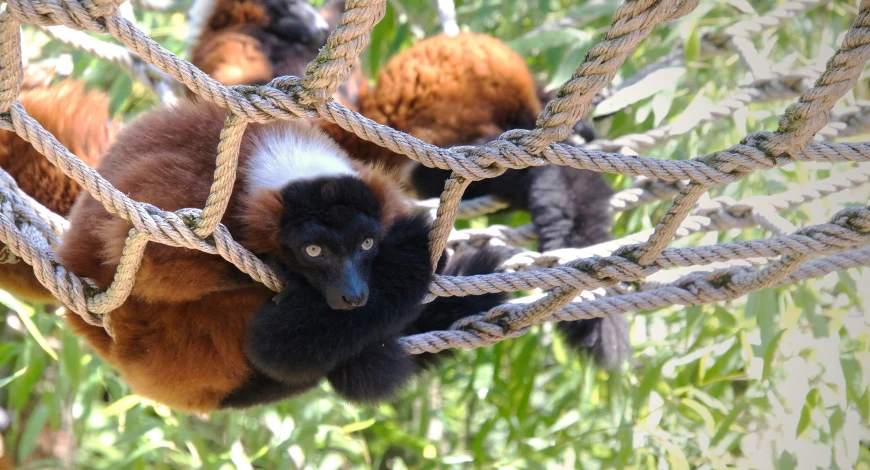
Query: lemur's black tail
(571, 208)
(444, 311)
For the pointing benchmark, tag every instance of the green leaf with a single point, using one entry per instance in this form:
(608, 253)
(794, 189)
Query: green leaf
(24, 313)
(786, 461)
(764, 307)
(122, 405)
(724, 365)
(550, 38)
(725, 424)
(4, 382)
(20, 390)
(650, 380)
(693, 45)
(35, 423)
(560, 354)
(355, 427)
(702, 412)
(592, 10)
(661, 104)
(810, 404)
(677, 458)
(837, 421)
(570, 60)
(770, 354)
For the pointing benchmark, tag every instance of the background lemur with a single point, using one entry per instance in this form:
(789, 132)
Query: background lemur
(467, 90)
(250, 42)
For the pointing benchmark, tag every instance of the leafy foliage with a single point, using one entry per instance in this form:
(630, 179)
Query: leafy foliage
(780, 379)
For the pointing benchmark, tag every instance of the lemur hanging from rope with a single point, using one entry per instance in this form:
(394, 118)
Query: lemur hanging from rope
(79, 119)
(467, 90)
(198, 334)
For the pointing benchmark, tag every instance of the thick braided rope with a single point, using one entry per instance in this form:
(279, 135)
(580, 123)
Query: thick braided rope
(226, 164)
(588, 273)
(852, 229)
(516, 150)
(720, 214)
(797, 125)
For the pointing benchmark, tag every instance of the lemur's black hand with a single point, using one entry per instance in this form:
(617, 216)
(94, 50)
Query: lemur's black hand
(400, 277)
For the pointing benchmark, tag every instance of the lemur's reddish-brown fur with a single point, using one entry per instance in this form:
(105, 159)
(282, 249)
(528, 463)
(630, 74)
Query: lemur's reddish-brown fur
(449, 91)
(79, 119)
(179, 336)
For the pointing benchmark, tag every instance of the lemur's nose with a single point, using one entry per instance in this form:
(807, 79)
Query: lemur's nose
(355, 300)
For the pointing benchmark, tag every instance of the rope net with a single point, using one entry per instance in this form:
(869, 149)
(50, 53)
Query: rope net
(626, 275)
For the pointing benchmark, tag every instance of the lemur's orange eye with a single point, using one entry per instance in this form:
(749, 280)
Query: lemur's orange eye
(367, 244)
(313, 251)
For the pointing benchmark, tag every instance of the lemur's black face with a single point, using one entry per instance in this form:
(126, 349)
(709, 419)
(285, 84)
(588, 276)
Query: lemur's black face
(329, 237)
(297, 21)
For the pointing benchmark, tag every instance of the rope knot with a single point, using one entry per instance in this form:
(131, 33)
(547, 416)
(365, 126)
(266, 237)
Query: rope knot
(476, 163)
(752, 153)
(521, 147)
(278, 99)
(501, 317)
(856, 219)
(613, 269)
(189, 216)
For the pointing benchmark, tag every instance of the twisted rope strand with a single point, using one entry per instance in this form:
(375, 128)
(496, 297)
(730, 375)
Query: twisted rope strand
(26, 234)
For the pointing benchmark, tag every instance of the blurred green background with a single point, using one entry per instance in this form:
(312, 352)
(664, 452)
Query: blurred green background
(778, 379)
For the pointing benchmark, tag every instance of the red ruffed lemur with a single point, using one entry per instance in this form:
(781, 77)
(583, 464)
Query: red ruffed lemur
(250, 42)
(79, 119)
(197, 334)
(467, 90)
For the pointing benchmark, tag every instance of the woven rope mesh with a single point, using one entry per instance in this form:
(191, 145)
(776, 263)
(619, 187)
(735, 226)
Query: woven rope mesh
(616, 277)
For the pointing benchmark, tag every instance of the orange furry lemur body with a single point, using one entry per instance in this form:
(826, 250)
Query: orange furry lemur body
(79, 119)
(198, 334)
(250, 42)
(467, 90)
